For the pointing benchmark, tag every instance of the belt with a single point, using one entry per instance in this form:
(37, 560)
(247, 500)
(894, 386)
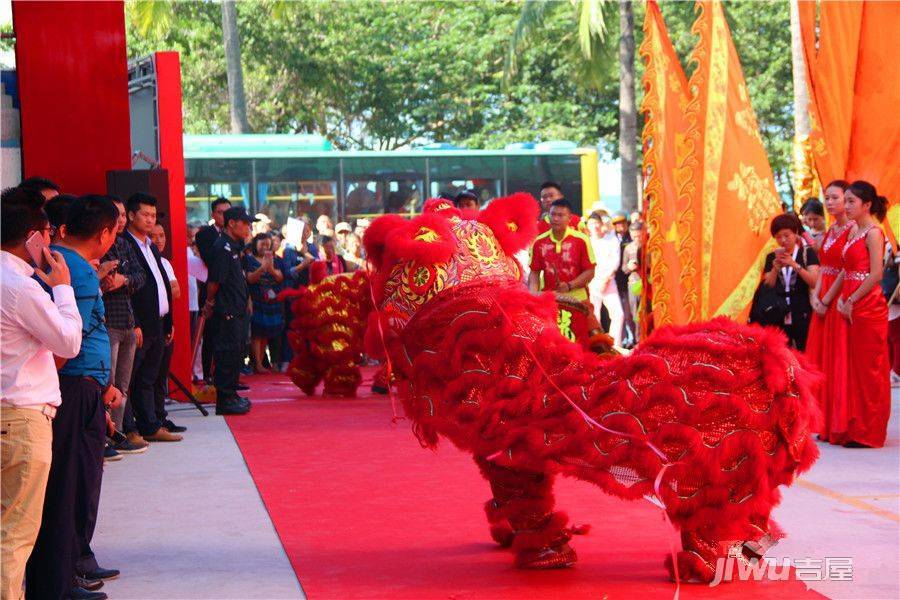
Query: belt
(855, 275)
(47, 410)
(832, 271)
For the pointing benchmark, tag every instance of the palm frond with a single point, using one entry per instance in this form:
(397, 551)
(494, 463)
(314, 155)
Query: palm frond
(591, 25)
(151, 18)
(530, 19)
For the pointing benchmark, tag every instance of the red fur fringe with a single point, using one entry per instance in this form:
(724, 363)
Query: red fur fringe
(513, 219)
(426, 239)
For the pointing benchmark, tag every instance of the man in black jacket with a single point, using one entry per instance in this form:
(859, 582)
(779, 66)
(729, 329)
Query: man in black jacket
(227, 304)
(152, 313)
(205, 237)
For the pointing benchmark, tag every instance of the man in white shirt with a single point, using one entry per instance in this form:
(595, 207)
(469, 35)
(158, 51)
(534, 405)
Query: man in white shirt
(32, 329)
(161, 388)
(147, 419)
(602, 288)
(197, 272)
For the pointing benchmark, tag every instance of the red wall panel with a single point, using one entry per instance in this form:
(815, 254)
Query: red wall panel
(73, 85)
(171, 157)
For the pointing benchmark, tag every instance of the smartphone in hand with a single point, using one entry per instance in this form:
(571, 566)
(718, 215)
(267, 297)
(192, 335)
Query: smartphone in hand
(35, 245)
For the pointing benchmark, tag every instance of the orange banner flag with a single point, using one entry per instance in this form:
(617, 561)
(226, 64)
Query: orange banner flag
(832, 71)
(731, 172)
(852, 74)
(670, 213)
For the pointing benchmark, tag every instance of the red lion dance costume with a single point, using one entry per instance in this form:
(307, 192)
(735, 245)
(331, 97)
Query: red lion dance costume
(709, 419)
(326, 333)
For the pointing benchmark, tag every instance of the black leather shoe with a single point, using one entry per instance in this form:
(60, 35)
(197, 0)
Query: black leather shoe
(91, 585)
(231, 407)
(79, 593)
(101, 573)
(172, 427)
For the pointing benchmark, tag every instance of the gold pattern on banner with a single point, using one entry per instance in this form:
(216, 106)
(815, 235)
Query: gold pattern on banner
(756, 193)
(654, 131)
(742, 295)
(803, 172)
(746, 118)
(714, 136)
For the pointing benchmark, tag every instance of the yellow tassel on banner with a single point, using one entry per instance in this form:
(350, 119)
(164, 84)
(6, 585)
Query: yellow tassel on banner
(803, 172)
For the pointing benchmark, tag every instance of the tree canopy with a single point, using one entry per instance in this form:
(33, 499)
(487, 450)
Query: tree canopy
(381, 74)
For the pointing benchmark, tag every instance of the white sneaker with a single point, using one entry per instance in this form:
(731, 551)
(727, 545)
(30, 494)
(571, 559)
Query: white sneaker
(895, 379)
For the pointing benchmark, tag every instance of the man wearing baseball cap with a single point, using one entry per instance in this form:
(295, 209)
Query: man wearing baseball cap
(227, 299)
(342, 231)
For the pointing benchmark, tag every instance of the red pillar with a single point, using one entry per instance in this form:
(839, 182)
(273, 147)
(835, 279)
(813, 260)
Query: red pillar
(72, 69)
(171, 157)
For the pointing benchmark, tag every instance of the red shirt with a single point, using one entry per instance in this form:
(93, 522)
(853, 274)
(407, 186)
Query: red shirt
(562, 260)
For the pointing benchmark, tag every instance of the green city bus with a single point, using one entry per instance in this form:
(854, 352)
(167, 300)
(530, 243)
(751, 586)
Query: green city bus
(285, 176)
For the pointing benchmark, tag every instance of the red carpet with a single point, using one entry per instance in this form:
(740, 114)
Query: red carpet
(364, 512)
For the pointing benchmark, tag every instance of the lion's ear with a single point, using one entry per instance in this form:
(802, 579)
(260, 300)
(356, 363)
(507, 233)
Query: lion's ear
(513, 219)
(426, 239)
(441, 206)
(376, 236)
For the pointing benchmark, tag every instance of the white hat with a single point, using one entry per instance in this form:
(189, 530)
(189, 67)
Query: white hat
(263, 218)
(343, 226)
(364, 222)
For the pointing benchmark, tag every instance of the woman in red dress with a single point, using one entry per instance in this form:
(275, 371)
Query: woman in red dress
(862, 303)
(826, 345)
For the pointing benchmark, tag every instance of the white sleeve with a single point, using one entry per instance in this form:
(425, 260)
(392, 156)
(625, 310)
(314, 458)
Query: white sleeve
(196, 267)
(170, 272)
(55, 323)
(607, 261)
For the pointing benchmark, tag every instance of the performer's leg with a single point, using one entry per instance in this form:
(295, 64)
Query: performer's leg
(616, 315)
(540, 536)
(704, 554)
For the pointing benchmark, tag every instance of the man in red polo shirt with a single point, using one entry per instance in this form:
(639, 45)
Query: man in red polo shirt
(550, 193)
(562, 256)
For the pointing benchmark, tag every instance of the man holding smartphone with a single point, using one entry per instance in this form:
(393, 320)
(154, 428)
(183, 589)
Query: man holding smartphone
(79, 428)
(34, 328)
(125, 337)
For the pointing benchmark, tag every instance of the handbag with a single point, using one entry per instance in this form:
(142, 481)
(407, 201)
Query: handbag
(769, 306)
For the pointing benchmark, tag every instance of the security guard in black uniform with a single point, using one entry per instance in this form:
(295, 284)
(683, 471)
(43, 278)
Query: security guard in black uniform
(227, 303)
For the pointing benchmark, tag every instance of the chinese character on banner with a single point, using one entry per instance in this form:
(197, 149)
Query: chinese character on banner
(808, 569)
(839, 568)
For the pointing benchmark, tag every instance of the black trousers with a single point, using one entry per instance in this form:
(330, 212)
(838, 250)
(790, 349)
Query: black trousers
(229, 354)
(142, 397)
(210, 334)
(629, 330)
(73, 490)
(161, 386)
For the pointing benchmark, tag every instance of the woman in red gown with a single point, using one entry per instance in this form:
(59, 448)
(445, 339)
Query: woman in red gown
(826, 345)
(862, 303)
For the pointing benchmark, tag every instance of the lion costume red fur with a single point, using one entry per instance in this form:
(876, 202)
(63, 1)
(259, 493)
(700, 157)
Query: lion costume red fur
(326, 333)
(707, 419)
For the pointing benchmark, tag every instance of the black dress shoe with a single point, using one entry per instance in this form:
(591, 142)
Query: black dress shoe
(231, 407)
(101, 573)
(91, 585)
(172, 427)
(79, 593)
(241, 387)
